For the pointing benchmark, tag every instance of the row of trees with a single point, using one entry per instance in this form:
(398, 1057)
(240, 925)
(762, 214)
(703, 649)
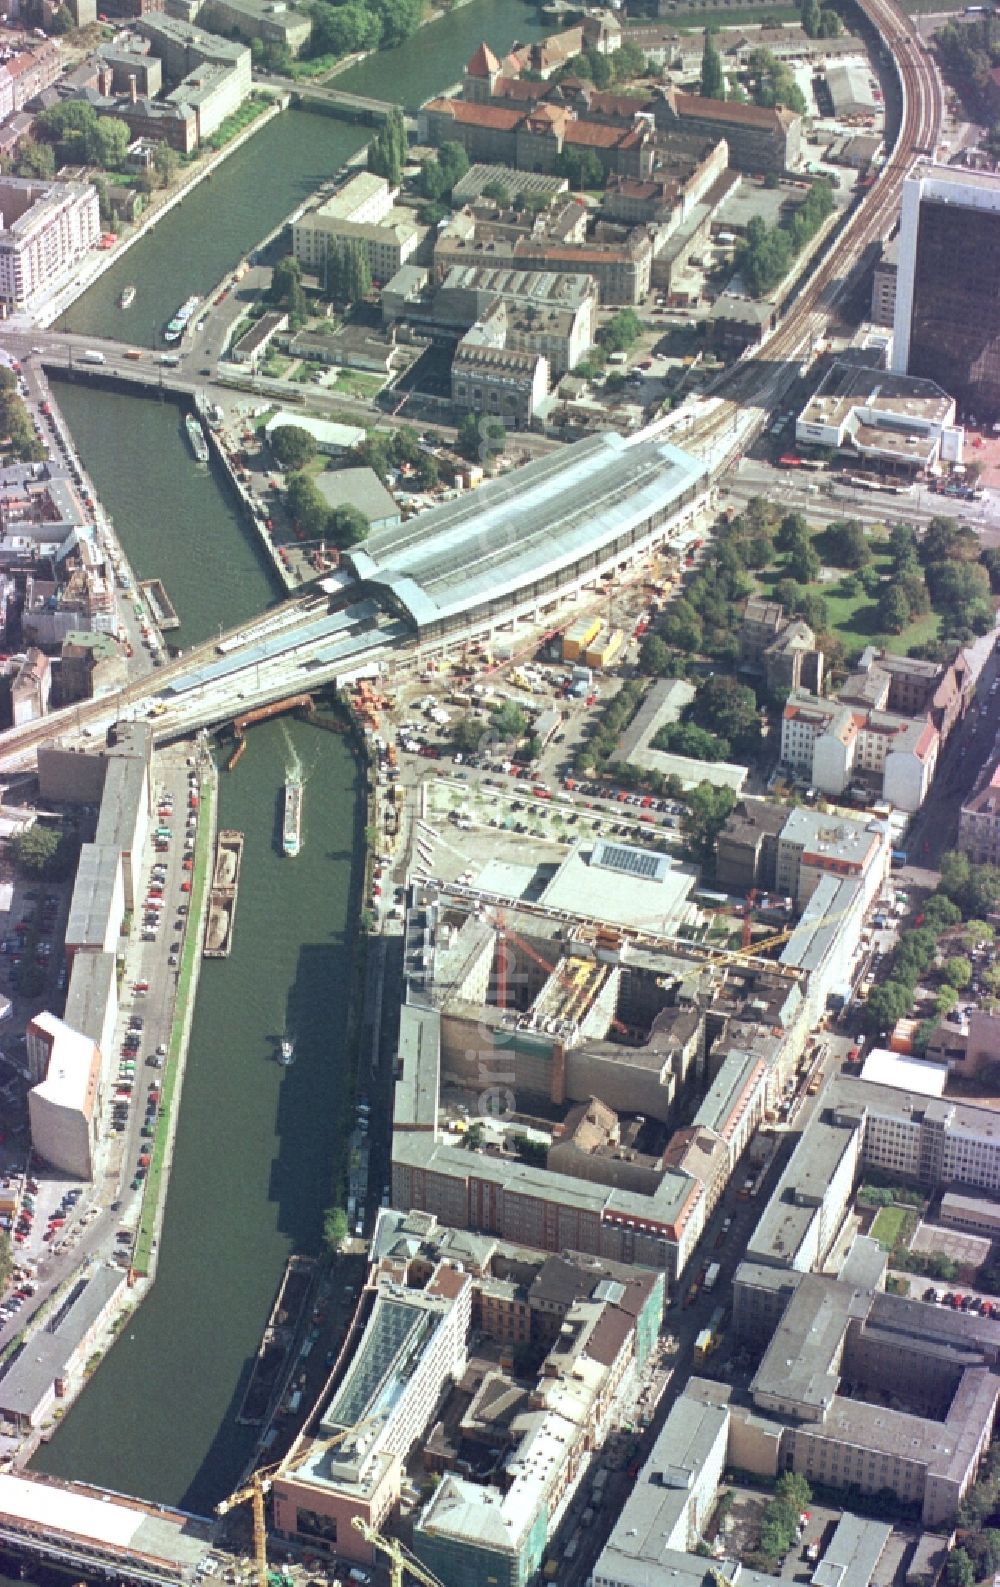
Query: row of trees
(387, 151)
(342, 526)
(361, 25)
(820, 22)
(347, 273)
(768, 252)
(438, 175)
(17, 433)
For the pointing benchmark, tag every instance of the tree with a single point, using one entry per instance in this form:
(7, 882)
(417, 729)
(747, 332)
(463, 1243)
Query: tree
(885, 1005)
(713, 85)
(940, 539)
(498, 193)
(811, 18)
(793, 531)
(292, 446)
(730, 709)
(621, 331)
(957, 973)
(306, 506)
(845, 544)
(959, 1571)
(803, 564)
(335, 1227)
(467, 734)
(774, 83)
(893, 609)
(946, 1001)
(106, 143)
(697, 743)
(708, 810)
(339, 30)
(165, 161)
(34, 160)
(682, 626)
(581, 168)
(35, 850)
(347, 526)
(654, 656)
(481, 440)
(400, 19)
(627, 63)
(509, 721)
(286, 287)
(794, 1488)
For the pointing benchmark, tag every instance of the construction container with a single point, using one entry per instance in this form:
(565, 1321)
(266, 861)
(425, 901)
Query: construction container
(578, 636)
(601, 652)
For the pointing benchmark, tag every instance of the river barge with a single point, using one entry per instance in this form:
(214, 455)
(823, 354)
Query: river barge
(218, 942)
(175, 328)
(196, 436)
(294, 1294)
(291, 821)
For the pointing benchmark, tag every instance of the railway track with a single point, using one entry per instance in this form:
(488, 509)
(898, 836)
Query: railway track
(756, 382)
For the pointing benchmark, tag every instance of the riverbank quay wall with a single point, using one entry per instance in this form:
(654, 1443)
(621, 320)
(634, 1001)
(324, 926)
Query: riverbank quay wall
(154, 1200)
(96, 267)
(92, 1532)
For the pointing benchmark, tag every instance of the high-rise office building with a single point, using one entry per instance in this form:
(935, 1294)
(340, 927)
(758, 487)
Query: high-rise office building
(947, 321)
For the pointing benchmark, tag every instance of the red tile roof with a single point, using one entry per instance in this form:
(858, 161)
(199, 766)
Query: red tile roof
(726, 110)
(495, 116)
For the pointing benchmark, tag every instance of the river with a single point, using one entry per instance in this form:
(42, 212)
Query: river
(256, 1145)
(194, 246)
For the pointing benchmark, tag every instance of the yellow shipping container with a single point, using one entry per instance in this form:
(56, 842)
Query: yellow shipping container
(578, 636)
(603, 650)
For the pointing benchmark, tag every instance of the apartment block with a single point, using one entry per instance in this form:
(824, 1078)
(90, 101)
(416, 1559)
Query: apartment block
(28, 73)
(46, 231)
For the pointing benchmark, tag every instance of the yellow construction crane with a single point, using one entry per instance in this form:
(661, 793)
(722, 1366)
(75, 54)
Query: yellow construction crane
(400, 1559)
(724, 956)
(257, 1489)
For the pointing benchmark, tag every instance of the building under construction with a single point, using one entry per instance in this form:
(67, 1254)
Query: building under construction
(636, 1067)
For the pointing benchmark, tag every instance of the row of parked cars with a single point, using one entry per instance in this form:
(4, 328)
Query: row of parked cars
(959, 1302)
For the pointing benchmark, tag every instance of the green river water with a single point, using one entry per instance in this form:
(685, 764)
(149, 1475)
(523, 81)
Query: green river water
(253, 1162)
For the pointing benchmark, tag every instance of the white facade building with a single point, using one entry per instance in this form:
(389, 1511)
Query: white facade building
(63, 1108)
(46, 230)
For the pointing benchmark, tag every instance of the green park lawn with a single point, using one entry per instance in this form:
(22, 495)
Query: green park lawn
(854, 618)
(358, 383)
(889, 1225)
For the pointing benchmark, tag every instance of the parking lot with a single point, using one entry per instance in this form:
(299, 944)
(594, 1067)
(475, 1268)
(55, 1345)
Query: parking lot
(52, 1218)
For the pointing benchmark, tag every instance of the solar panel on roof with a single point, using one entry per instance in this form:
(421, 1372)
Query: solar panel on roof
(630, 862)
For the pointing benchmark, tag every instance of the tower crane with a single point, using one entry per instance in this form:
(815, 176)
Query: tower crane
(260, 1484)
(400, 1559)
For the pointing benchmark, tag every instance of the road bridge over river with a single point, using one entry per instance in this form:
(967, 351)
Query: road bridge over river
(358, 107)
